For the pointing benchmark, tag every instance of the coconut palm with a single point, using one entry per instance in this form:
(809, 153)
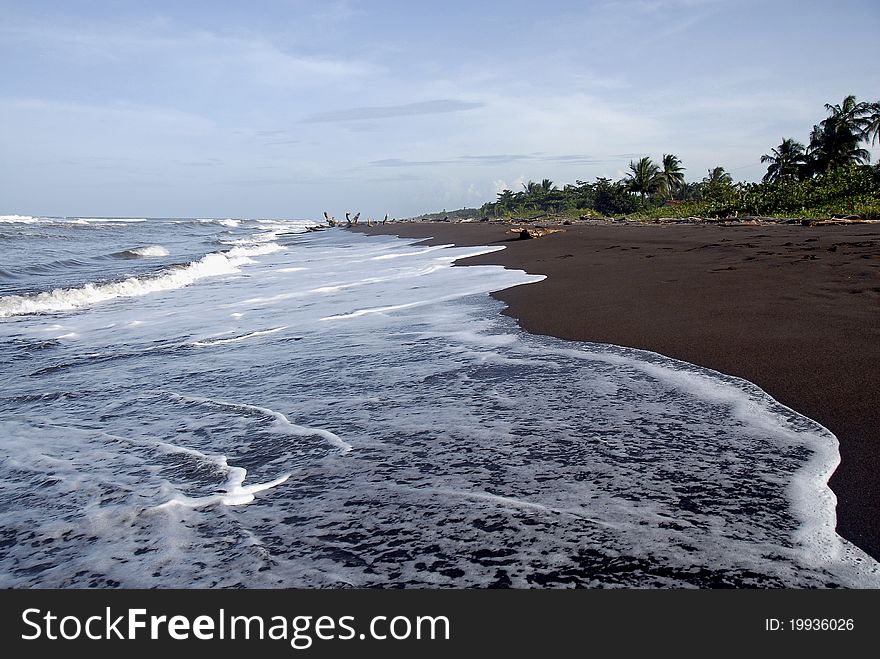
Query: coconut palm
(786, 161)
(505, 201)
(672, 174)
(849, 113)
(690, 192)
(533, 193)
(871, 123)
(644, 177)
(835, 141)
(532, 188)
(717, 176)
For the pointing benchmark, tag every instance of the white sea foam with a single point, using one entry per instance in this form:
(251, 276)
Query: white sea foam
(280, 422)
(482, 454)
(398, 255)
(228, 222)
(149, 251)
(235, 339)
(19, 219)
(256, 250)
(379, 310)
(64, 299)
(110, 220)
(235, 492)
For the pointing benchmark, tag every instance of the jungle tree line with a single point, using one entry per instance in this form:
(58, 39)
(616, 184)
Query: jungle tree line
(833, 168)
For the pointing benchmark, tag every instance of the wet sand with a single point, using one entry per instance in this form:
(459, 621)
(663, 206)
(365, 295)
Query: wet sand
(794, 309)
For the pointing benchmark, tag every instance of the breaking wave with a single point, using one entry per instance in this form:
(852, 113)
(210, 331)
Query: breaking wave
(143, 252)
(19, 219)
(65, 299)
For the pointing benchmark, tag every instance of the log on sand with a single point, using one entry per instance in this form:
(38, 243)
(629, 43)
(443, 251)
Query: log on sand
(526, 233)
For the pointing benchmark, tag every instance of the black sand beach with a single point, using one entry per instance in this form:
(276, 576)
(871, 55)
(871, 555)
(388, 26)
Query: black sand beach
(793, 309)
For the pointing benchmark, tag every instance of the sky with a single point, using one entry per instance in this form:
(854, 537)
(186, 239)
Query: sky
(287, 108)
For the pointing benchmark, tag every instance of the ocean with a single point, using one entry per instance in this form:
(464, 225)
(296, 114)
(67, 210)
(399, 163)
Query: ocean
(243, 403)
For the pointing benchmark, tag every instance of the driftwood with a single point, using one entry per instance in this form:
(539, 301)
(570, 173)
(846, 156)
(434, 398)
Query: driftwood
(526, 233)
(838, 220)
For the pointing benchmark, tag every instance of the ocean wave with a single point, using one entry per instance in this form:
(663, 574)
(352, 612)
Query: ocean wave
(20, 219)
(142, 252)
(31, 219)
(65, 299)
(228, 222)
(68, 265)
(103, 220)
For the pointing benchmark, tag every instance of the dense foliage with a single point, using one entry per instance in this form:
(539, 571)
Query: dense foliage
(829, 176)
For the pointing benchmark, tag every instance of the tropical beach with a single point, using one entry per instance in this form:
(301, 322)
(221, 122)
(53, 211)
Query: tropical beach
(793, 309)
(290, 405)
(469, 296)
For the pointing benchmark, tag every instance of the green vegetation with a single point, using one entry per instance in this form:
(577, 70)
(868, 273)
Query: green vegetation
(450, 216)
(830, 176)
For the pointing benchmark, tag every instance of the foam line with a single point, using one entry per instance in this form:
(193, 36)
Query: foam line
(234, 339)
(518, 504)
(418, 303)
(236, 493)
(397, 255)
(19, 219)
(281, 423)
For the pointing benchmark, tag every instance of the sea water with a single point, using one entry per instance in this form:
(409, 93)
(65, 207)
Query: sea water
(243, 403)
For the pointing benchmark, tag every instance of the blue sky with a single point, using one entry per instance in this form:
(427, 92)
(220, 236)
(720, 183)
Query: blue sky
(284, 108)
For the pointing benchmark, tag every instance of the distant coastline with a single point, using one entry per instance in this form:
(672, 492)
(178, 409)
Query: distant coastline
(830, 176)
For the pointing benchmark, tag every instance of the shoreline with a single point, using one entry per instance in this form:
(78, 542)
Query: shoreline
(793, 309)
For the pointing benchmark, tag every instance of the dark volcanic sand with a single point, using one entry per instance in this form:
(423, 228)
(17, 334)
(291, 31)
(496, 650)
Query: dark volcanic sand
(794, 309)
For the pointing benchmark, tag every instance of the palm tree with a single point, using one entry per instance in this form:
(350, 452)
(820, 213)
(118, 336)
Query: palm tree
(672, 174)
(786, 162)
(718, 176)
(505, 201)
(871, 123)
(835, 141)
(690, 191)
(533, 193)
(644, 177)
(849, 112)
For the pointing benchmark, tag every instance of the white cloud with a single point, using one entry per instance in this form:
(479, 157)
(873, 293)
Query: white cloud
(108, 117)
(199, 54)
(134, 99)
(338, 11)
(439, 106)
